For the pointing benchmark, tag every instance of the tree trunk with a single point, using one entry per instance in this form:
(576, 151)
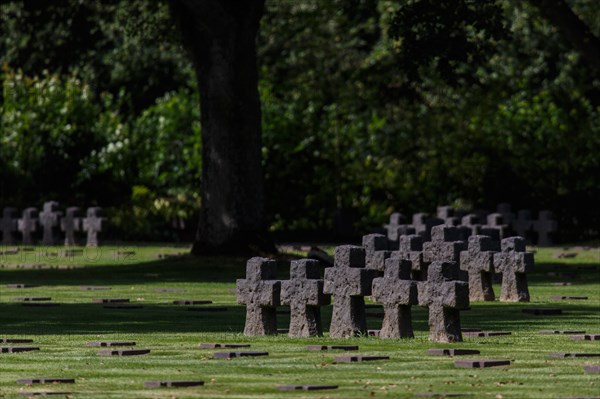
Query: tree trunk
(220, 36)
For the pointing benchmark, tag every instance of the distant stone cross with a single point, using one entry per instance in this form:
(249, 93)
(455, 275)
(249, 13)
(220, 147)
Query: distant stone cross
(445, 245)
(349, 282)
(303, 293)
(28, 225)
(70, 224)
(260, 292)
(495, 221)
(472, 222)
(397, 292)
(8, 224)
(513, 262)
(423, 224)
(411, 248)
(444, 295)
(522, 224)
(49, 219)
(92, 224)
(397, 227)
(376, 251)
(478, 261)
(543, 227)
(506, 211)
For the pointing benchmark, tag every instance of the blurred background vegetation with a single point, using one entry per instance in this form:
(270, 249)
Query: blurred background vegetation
(369, 106)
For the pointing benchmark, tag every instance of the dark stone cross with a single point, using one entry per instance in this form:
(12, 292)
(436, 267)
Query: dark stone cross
(303, 293)
(471, 221)
(444, 295)
(349, 282)
(92, 224)
(70, 224)
(523, 223)
(513, 262)
(28, 225)
(478, 262)
(49, 219)
(376, 251)
(505, 210)
(423, 224)
(495, 221)
(445, 245)
(8, 225)
(397, 292)
(397, 227)
(411, 248)
(448, 215)
(260, 292)
(543, 227)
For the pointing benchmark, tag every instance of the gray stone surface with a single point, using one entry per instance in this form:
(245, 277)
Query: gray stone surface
(471, 221)
(8, 225)
(478, 262)
(123, 352)
(232, 355)
(260, 292)
(71, 223)
(31, 381)
(544, 226)
(49, 220)
(397, 227)
(452, 352)
(305, 387)
(411, 249)
(513, 262)
(349, 282)
(423, 224)
(445, 245)
(476, 364)
(303, 293)
(397, 293)
(522, 224)
(93, 224)
(495, 221)
(376, 251)
(445, 296)
(168, 383)
(358, 358)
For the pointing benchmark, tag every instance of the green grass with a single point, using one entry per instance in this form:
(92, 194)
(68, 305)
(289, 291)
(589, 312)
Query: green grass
(173, 334)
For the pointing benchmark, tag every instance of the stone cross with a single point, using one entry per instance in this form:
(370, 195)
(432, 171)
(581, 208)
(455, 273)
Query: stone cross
(260, 292)
(478, 262)
(349, 282)
(423, 224)
(495, 221)
(471, 221)
(513, 262)
(8, 225)
(397, 227)
(445, 245)
(506, 211)
(93, 223)
(397, 292)
(411, 249)
(543, 227)
(376, 251)
(28, 225)
(303, 293)
(70, 224)
(523, 223)
(448, 215)
(444, 295)
(49, 219)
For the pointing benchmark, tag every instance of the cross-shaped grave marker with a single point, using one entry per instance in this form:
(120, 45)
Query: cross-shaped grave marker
(70, 224)
(445, 245)
(303, 293)
(523, 223)
(478, 262)
(423, 224)
(397, 227)
(260, 292)
(444, 295)
(471, 221)
(544, 226)
(513, 262)
(495, 221)
(411, 248)
(505, 210)
(93, 223)
(376, 251)
(49, 219)
(397, 292)
(349, 282)
(28, 225)
(8, 225)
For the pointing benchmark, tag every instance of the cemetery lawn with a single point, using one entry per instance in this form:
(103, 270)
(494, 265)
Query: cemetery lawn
(173, 333)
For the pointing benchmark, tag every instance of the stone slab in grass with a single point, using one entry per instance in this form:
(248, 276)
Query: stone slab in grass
(562, 332)
(123, 306)
(95, 288)
(542, 311)
(191, 302)
(45, 393)
(110, 300)
(207, 309)
(18, 349)
(358, 358)
(30, 381)
(123, 352)
(173, 384)
(479, 364)
(110, 343)
(477, 334)
(332, 347)
(15, 341)
(586, 337)
(210, 345)
(305, 387)
(562, 355)
(21, 286)
(568, 297)
(452, 352)
(592, 368)
(33, 298)
(40, 304)
(231, 355)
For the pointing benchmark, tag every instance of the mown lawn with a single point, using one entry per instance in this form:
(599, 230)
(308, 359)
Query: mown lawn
(172, 334)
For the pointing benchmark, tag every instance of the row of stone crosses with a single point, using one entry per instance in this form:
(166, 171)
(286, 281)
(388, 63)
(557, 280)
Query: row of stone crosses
(443, 274)
(52, 221)
(499, 224)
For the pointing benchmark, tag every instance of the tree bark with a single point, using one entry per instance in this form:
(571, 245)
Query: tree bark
(220, 36)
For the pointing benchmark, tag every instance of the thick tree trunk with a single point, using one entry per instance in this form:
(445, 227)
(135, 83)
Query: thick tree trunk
(220, 35)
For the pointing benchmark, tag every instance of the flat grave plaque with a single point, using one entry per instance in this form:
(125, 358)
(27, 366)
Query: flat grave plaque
(45, 393)
(30, 381)
(474, 334)
(21, 286)
(110, 343)
(231, 355)
(15, 341)
(159, 384)
(452, 352)
(17, 349)
(562, 332)
(332, 347)
(208, 345)
(481, 363)
(110, 300)
(586, 337)
(562, 355)
(358, 358)
(191, 302)
(305, 387)
(568, 297)
(123, 352)
(592, 368)
(32, 298)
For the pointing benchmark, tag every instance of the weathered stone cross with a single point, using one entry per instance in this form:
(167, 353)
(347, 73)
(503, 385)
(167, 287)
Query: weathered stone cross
(543, 227)
(348, 281)
(303, 293)
(49, 219)
(8, 225)
(70, 224)
(411, 248)
(522, 224)
(260, 292)
(478, 261)
(28, 225)
(93, 223)
(397, 292)
(513, 262)
(397, 227)
(444, 295)
(376, 251)
(445, 245)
